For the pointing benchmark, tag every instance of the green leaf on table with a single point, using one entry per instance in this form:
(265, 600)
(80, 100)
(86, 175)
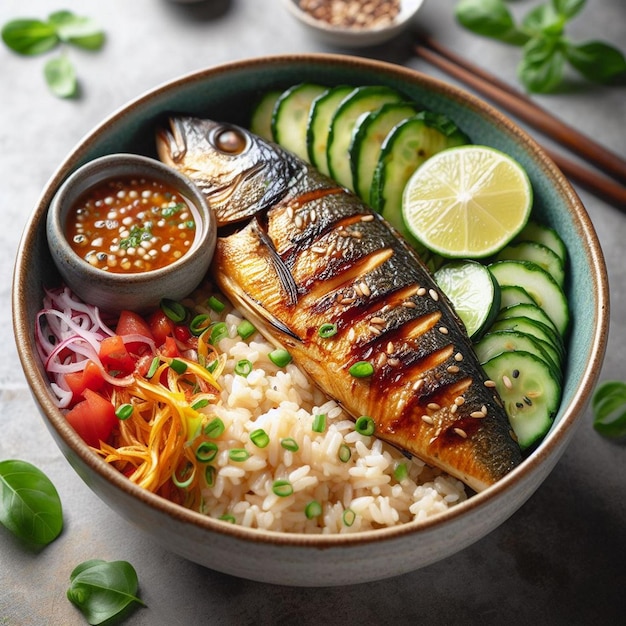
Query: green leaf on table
(489, 18)
(79, 31)
(30, 506)
(609, 409)
(568, 8)
(543, 20)
(103, 589)
(596, 61)
(29, 37)
(61, 77)
(542, 65)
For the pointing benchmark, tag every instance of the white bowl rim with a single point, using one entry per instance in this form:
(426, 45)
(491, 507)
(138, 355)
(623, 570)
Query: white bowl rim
(563, 430)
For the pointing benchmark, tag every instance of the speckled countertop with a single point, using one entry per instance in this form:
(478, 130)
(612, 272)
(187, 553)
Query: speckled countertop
(561, 559)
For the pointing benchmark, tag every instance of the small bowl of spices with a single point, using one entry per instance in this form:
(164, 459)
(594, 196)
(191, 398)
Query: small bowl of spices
(354, 23)
(126, 231)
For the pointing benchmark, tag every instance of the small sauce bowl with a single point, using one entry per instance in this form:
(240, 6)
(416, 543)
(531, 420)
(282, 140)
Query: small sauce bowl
(105, 284)
(354, 36)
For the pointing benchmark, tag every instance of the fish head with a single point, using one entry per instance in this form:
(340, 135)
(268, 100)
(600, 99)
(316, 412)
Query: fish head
(239, 173)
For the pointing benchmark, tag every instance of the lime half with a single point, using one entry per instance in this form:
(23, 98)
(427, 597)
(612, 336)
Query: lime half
(473, 292)
(467, 201)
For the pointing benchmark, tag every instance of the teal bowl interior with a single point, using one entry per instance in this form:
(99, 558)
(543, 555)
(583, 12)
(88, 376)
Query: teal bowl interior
(228, 93)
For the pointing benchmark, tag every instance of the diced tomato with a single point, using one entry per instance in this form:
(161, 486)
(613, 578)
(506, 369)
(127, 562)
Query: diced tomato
(143, 363)
(115, 357)
(89, 378)
(161, 326)
(93, 419)
(169, 348)
(131, 323)
(182, 333)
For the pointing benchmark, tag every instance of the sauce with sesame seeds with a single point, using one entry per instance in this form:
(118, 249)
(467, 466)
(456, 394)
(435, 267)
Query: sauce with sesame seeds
(131, 225)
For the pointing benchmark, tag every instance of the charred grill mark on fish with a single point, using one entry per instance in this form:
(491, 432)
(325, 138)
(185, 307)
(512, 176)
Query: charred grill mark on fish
(310, 253)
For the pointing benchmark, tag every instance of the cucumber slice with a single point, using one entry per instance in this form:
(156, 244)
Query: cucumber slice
(531, 311)
(473, 292)
(363, 100)
(494, 343)
(551, 341)
(510, 295)
(322, 112)
(261, 119)
(404, 150)
(367, 140)
(530, 392)
(537, 253)
(290, 118)
(540, 233)
(544, 290)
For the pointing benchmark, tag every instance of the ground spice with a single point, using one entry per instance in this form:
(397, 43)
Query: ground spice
(353, 13)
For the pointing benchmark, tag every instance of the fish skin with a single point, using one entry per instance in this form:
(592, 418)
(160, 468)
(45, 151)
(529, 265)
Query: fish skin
(313, 253)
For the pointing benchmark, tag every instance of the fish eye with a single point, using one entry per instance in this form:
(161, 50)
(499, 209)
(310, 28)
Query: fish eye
(229, 140)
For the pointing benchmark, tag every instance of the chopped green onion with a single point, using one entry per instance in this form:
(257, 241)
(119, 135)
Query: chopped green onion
(327, 330)
(279, 357)
(344, 453)
(199, 324)
(180, 367)
(259, 438)
(188, 474)
(206, 451)
(124, 411)
(154, 366)
(348, 517)
(243, 367)
(361, 369)
(228, 518)
(216, 304)
(400, 472)
(239, 455)
(209, 475)
(282, 488)
(218, 332)
(212, 365)
(365, 425)
(289, 444)
(245, 329)
(199, 404)
(313, 509)
(174, 310)
(319, 423)
(169, 211)
(215, 428)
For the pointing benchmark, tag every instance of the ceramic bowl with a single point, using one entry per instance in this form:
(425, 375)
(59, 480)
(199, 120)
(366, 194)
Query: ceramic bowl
(354, 37)
(137, 291)
(227, 93)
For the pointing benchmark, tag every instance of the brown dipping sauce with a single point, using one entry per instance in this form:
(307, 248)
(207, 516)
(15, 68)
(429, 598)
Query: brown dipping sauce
(130, 225)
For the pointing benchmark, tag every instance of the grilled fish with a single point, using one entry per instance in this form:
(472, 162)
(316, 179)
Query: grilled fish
(298, 253)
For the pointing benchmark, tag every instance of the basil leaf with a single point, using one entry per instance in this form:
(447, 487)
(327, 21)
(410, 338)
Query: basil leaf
(568, 8)
(61, 77)
(80, 31)
(541, 68)
(29, 503)
(596, 61)
(489, 18)
(609, 409)
(103, 589)
(544, 20)
(29, 37)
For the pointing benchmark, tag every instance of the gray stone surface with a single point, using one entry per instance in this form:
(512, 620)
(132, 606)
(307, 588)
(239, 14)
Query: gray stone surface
(560, 559)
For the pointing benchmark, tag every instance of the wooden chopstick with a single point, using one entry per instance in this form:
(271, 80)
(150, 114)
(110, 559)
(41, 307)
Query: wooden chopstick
(524, 108)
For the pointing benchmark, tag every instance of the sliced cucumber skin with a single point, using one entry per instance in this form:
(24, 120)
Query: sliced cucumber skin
(320, 116)
(545, 235)
(531, 398)
(261, 119)
(290, 117)
(496, 342)
(537, 253)
(531, 311)
(510, 295)
(368, 138)
(363, 100)
(404, 150)
(540, 286)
